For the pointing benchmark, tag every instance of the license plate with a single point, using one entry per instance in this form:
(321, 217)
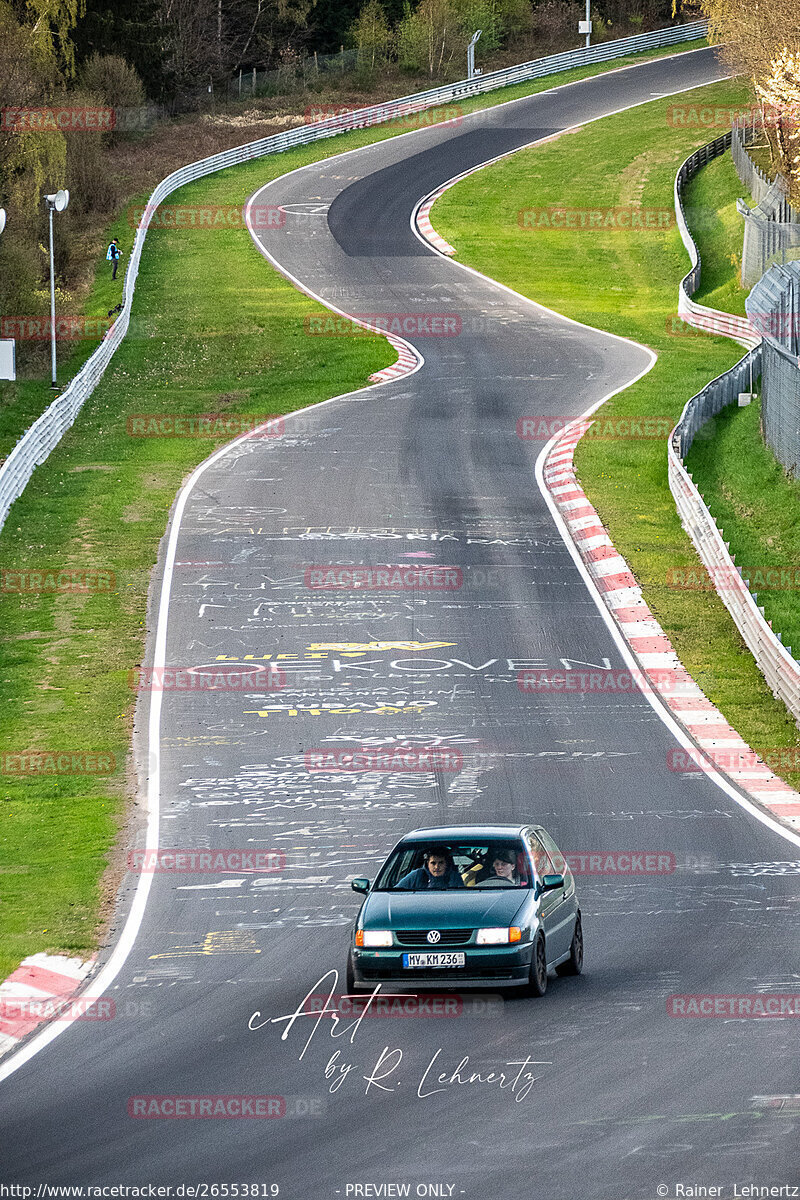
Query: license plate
(437, 958)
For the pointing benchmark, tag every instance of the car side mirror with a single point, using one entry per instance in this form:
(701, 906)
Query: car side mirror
(551, 882)
(360, 885)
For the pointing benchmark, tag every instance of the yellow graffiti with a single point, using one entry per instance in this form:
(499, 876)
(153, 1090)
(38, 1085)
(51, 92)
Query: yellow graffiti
(222, 941)
(321, 650)
(363, 647)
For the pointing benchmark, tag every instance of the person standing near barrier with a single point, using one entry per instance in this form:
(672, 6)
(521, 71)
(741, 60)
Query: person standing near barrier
(112, 256)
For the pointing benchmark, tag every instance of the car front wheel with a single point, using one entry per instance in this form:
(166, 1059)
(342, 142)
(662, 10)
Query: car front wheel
(537, 983)
(574, 964)
(350, 976)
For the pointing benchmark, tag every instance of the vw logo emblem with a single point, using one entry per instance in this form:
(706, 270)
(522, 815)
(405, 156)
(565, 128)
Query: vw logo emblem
(434, 936)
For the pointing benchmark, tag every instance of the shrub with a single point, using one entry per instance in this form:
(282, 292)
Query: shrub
(115, 81)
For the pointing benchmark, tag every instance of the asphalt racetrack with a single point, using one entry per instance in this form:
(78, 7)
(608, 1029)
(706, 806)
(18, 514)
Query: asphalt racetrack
(609, 1096)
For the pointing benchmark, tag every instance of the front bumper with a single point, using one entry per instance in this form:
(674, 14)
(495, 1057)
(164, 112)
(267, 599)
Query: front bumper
(501, 966)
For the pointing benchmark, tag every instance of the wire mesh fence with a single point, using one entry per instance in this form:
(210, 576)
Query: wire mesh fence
(772, 228)
(773, 307)
(294, 73)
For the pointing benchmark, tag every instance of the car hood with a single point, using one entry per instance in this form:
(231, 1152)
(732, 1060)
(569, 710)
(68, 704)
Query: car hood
(456, 909)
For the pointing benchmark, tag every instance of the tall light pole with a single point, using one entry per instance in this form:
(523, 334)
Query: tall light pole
(471, 54)
(56, 202)
(586, 26)
(8, 368)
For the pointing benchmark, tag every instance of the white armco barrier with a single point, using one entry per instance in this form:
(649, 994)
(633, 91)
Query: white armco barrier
(711, 320)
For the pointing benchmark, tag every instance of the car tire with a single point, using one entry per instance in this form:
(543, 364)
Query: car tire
(574, 964)
(537, 980)
(350, 978)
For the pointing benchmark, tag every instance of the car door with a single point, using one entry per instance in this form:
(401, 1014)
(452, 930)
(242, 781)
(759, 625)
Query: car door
(561, 865)
(557, 916)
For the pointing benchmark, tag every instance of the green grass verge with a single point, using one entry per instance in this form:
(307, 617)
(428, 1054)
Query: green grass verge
(213, 329)
(758, 508)
(626, 283)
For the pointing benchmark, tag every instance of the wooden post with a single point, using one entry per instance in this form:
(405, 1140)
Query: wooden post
(254, 81)
(240, 83)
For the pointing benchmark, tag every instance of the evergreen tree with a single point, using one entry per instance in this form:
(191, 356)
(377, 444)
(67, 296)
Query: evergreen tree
(130, 28)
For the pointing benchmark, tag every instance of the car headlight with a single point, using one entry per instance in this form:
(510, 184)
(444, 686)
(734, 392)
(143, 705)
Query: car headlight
(498, 937)
(373, 937)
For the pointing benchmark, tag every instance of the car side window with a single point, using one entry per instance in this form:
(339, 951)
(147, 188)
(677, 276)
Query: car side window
(542, 863)
(408, 859)
(556, 857)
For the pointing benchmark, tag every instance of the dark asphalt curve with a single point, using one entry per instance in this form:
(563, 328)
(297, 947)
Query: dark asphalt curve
(608, 1096)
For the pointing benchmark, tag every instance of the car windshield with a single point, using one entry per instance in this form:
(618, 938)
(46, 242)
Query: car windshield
(439, 866)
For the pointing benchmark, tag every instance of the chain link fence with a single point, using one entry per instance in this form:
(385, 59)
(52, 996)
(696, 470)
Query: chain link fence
(294, 75)
(772, 228)
(773, 307)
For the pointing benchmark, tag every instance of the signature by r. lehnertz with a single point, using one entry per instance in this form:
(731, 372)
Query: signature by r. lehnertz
(384, 1075)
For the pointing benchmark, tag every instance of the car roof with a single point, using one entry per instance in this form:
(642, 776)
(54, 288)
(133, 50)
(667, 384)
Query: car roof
(464, 832)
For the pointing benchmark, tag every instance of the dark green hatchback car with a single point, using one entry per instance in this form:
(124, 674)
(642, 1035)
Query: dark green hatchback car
(468, 906)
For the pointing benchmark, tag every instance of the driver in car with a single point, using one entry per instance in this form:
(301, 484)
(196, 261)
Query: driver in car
(437, 873)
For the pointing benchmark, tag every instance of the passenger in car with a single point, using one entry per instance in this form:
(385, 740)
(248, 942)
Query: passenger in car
(438, 873)
(503, 866)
